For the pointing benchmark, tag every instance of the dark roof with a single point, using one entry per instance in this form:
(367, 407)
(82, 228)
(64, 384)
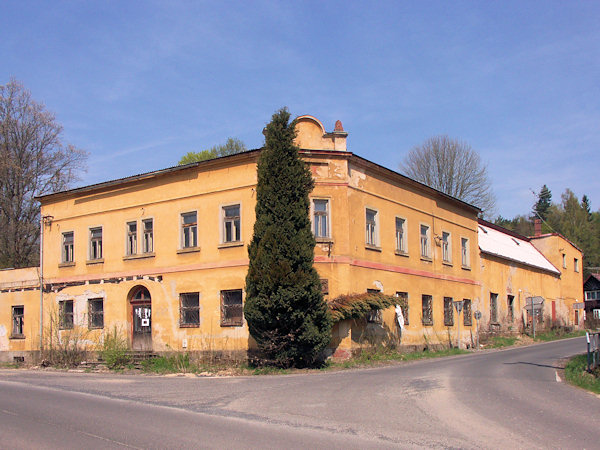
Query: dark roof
(219, 160)
(592, 282)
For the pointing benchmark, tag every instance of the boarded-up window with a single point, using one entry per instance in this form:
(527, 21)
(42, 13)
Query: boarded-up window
(65, 314)
(493, 308)
(232, 311)
(96, 313)
(405, 310)
(448, 312)
(189, 309)
(468, 315)
(427, 313)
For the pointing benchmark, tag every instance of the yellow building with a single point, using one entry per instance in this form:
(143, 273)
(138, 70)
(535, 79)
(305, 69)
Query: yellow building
(161, 257)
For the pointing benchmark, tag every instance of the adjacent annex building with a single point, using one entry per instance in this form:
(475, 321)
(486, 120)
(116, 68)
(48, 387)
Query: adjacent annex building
(161, 258)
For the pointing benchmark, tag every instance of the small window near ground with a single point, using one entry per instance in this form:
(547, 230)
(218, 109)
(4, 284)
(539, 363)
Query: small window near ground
(65, 314)
(18, 318)
(131, 238)
(189, 230)
(232, 311)
(493, 308)
(148, 230)
(67, 247)
(467, 312)
(96, 243)
(231, 224)
(189, 309)
(95, 313)
(448, 312)
(510, 303)
(427, 309)
(405, 309)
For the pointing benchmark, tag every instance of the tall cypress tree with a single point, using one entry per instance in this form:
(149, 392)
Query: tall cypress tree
(284, 307)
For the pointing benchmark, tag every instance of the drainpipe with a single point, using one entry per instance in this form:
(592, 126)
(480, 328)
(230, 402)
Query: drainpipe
(42, 223)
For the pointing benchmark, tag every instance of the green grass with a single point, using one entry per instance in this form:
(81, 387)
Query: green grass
(553, 335)
(381, 354)
(576, 374)
(501, 341)
(178, 363)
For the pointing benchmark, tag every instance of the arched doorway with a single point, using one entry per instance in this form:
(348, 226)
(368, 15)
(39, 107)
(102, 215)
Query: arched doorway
(141, 319)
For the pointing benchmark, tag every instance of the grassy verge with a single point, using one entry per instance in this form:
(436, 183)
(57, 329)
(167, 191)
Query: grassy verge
(500, 341)
(576, 374)
(376, 356)
(553, 335)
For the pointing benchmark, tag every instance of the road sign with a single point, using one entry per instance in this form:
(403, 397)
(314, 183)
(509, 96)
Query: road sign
(458, 304)
(578, 305)
(477, 315)
(534, 303)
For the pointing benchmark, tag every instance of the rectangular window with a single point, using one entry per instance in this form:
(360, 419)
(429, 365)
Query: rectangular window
(564, 257)
(446, 247)
(493, 308)
(425, 252)
(596, 313)
(65, 314)
(324, 286)
(464, 252)
(401, 235)
(232, 311)
(131, 238)
(405, 310)
(148, 230)
(18, 315)
(427, 314)
(67, 247)
(448, 312)
(231, 223)
(510, 303)
(189, 230)
(575, 264)
(189, 309)
(321, 218)
(467, 313)
(371, 229)
(375, 315)
(96, 243)
(95, 313)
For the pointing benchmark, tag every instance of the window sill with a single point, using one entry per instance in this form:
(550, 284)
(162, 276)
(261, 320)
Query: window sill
(95, 328)
(188, 250)
(67, 264)
(17, 336)
(323, 240)
(447, 263)
(427, 324)
(95, 261)
(139, 256)
(189, 325)
(426, 258)
(465, 267)
(232, 324)
(231, 244)
(399, 253)
(372, 248)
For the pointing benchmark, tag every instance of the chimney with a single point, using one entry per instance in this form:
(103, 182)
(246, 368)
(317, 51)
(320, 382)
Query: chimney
(537, 227)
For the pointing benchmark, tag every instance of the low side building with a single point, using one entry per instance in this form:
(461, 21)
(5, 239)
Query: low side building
(591, 288)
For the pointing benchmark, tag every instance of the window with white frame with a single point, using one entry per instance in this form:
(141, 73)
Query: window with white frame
(371, 227)
(401, 235)
(564, 257)
(67, 247)
(231, 223)
(189, 230)
(321, 218)
(446, 247)
(425, 242)
(148, 238)
(131, 238)
(464, 252)
(96, 243)
(592, 295)
(575, 264)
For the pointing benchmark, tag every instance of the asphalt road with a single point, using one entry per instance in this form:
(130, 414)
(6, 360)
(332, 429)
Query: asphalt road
(497, 399)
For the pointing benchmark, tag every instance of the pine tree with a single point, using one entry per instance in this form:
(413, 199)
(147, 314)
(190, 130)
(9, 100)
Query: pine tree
(540, 209)
(284, 307)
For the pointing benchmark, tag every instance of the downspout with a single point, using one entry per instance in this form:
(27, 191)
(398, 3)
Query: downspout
(42, 223)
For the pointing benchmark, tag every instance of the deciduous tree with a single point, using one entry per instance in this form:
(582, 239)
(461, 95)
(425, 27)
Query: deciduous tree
(230, 147)
(284, 306)
(34, 160)
(453, 167)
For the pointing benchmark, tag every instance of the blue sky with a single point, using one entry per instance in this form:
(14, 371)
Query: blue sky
(138, 84)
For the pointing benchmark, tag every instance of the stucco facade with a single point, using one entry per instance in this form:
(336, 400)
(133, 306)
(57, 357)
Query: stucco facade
(162, 257)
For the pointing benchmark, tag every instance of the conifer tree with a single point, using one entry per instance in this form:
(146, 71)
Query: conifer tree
(284, 306)
(540, 209)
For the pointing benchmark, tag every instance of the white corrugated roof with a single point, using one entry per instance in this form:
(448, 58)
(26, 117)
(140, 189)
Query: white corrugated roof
(504, 245)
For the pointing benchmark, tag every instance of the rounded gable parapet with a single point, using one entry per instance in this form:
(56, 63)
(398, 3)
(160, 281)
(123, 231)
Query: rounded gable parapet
(311, 134)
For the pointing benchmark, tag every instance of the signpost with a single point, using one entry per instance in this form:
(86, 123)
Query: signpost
(458, 304)
(477, 316)
(534, 305)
